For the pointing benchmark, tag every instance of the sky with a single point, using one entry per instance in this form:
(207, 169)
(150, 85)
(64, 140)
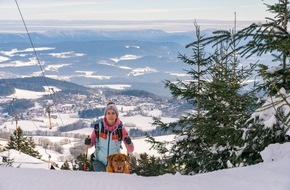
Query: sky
(137, 11)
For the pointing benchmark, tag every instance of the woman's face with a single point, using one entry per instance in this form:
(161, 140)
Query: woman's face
(111, 117)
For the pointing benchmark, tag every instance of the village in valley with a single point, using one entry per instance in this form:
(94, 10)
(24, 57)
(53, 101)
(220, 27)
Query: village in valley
(58, 128)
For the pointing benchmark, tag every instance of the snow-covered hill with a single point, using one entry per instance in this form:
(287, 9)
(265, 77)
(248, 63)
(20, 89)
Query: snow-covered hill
(273, 175)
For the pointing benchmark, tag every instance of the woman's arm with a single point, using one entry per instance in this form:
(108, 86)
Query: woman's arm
(93, 139)
(127, 141)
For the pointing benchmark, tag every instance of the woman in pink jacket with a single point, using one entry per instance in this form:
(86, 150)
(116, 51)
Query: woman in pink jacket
(107, 137)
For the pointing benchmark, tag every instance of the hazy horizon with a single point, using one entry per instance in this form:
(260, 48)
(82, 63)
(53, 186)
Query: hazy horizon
(17, 26)
(167, 15)
(137, 10)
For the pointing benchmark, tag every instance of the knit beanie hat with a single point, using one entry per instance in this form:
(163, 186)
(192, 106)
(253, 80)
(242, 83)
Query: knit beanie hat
(111, 106)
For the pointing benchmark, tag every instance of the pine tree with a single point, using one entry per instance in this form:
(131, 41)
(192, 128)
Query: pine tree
(211, 138)
(147, 165)
(270, 37)
(222, 134)
(31, 148)
(65, 166)
(16, 140)
(23, 144)
(80, 160)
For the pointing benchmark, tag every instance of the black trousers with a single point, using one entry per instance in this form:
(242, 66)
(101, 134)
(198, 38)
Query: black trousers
(99, 166)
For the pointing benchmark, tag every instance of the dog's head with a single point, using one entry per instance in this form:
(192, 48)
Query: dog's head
(118, 162)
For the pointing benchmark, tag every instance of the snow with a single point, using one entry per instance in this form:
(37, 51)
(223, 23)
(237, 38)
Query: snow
(177, 74)
(2, 59)
(276, 152)
(12, 52)
(23, 160)
(68, 54)
(141, 146)
(267, 112)
(20, 94)
(142, 71)
(56, 67)
(40, 123)
(34, 174)
(146, 123)
(28, 94)
(126, 57)
(272, 175)
(112, 86)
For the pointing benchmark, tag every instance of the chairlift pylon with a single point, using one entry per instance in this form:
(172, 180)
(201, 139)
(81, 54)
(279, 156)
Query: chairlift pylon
(48, 110)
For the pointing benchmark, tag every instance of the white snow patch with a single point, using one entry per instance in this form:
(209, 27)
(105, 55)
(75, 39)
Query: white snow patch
(142, 71)
(126, 57)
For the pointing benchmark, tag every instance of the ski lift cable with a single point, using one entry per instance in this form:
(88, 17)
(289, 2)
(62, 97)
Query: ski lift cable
(32, 45)
(52, 105)
(31, 42)
(17, 117)
(35, 53)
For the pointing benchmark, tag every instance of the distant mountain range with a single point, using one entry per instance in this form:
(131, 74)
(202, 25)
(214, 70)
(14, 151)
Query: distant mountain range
(140, 59)
(37, 84)
(54, 36)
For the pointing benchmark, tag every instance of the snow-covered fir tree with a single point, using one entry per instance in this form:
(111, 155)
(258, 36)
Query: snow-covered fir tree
(228, 129)
(22, 144)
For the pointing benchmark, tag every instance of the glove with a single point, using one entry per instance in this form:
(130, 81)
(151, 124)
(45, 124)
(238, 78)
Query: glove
(130, 154)
(128, 140)
(88, 141)
(93, 158)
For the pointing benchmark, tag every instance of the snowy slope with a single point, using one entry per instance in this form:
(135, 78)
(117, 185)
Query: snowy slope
(21, 160)
(266, 176)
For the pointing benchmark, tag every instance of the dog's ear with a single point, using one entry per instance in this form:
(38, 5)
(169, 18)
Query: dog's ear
(110, 157)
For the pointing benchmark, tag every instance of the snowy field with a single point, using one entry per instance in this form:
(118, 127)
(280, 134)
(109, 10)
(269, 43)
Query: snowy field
(272, 175)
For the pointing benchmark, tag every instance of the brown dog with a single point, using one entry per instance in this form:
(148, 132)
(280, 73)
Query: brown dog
(118, 163)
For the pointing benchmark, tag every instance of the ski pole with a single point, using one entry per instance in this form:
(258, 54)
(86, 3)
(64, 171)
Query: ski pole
(128, 141)
(87, 143)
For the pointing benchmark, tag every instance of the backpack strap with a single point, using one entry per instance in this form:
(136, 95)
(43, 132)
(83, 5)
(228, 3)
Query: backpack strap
(119, 131)
(99, 127)
(97, 130)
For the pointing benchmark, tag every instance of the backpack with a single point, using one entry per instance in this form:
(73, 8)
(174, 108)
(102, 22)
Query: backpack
(100, 128)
